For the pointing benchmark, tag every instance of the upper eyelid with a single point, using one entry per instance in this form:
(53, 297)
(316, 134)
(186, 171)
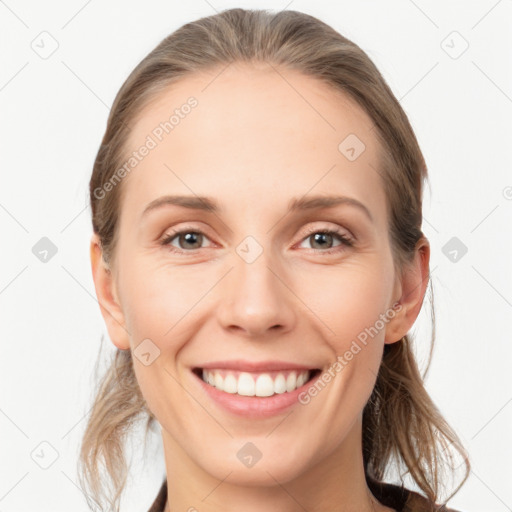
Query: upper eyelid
(195, 229)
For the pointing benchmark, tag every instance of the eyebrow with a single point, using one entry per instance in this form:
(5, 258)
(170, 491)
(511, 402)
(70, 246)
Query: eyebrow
(210, 205)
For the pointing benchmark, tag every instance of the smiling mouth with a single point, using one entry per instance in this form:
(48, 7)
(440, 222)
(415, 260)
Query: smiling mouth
(259, 384)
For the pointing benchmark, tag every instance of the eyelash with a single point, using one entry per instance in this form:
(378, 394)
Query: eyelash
(345, 241)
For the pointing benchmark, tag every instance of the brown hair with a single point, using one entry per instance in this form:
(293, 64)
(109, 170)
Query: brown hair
(400, 421)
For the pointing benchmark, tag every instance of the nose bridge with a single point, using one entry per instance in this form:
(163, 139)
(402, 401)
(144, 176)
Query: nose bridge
(254, 299)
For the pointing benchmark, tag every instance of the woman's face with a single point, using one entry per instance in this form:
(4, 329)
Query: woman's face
(253, 281)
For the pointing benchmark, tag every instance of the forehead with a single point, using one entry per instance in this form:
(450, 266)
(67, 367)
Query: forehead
(255, 131)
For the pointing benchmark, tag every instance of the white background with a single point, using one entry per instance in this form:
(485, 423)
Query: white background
(53, 114)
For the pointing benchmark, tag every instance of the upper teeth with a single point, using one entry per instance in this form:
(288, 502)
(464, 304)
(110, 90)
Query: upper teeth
(260, 384)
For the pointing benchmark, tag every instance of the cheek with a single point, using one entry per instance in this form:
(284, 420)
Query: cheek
(347, 299)
(159, 306)
(158, 300)
(348, 303)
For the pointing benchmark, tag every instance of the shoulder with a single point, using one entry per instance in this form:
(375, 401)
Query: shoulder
(402, 499)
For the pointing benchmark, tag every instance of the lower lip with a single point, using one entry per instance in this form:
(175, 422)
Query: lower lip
(254, 406)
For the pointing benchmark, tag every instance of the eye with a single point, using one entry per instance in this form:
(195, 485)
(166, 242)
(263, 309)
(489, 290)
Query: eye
(323, 239)
(187, 238)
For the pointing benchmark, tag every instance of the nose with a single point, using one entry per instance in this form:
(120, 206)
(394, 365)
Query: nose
(255, 299)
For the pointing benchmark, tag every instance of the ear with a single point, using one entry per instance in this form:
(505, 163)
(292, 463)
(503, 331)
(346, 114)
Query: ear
(107, 297)
(411, 287)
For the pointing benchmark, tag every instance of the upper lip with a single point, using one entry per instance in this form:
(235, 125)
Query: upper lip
(255, 366)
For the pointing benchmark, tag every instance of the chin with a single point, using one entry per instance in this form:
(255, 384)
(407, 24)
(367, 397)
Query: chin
(269, 470)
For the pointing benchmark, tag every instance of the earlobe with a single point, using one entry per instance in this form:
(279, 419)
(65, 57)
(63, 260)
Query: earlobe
(412, 287)
(107, 297)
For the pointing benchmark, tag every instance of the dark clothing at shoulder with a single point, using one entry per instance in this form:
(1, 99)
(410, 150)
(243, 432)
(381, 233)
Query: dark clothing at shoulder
(394, 496)
(402, 499)
(159, 503)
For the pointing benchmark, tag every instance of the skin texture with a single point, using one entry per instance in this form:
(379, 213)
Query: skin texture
(257, 138)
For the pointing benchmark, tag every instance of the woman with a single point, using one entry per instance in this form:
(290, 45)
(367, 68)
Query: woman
(258, 259)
